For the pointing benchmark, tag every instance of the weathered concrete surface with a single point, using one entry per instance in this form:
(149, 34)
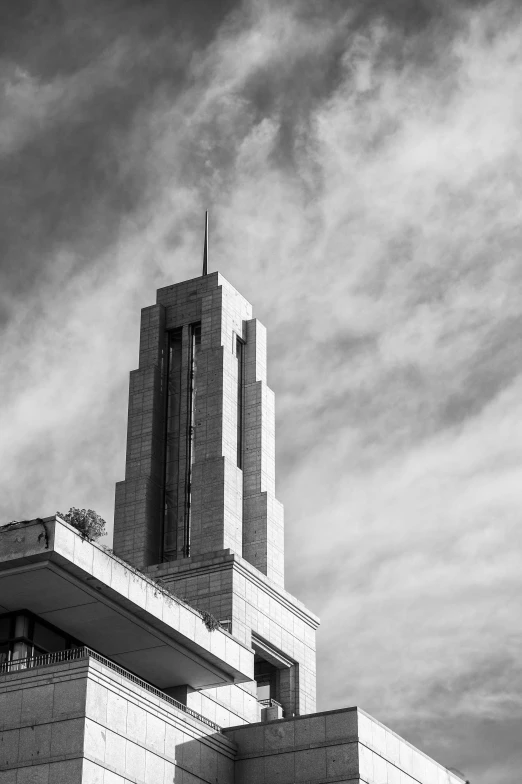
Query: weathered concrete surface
(83, 589)
(336, 746)
(81, 723)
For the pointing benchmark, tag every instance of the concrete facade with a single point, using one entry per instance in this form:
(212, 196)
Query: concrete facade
(336, 746)
(262, 615)
(83, 723)
(197, 510)
(179, 657)
(221, 397)
(47, 568)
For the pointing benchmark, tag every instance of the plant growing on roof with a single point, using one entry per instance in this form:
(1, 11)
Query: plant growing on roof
(88, 522)
(210, 621)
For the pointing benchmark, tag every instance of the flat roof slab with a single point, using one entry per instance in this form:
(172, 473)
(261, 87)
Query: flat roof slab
(85, 590)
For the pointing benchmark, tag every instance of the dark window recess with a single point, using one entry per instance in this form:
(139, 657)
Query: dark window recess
(192, 387)
(172, 498)
(240, 383)
(23, 634)
(4, 652)
(266, 676)
(48, 639)
(6, 623)
(180, 438)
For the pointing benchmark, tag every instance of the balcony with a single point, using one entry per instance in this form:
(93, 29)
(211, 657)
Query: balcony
(74, 654)
(84, 590)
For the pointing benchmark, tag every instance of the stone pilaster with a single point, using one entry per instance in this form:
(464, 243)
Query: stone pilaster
(263, 533)
(138, 508)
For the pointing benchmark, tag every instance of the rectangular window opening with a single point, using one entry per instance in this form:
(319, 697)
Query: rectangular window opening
(240, 385)
(194, 349)
(24, 635)
(172, 444)
(266, 676)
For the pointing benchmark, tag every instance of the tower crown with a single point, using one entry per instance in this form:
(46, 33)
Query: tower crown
(200, 468)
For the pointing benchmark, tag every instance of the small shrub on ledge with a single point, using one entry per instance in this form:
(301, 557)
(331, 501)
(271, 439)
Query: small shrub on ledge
(209, 620)
(88, 522)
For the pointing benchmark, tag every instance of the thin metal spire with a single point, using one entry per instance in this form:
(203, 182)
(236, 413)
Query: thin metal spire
(205, 246)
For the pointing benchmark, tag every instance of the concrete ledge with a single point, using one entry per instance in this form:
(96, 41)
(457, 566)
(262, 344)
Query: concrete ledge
(85, 590)
(334, 746)
(223, 559)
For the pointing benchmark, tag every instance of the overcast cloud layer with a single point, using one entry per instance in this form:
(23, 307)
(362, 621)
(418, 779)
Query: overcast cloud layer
(362, 165)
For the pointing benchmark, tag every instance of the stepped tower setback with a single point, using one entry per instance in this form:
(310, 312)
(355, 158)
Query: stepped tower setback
(200, 472)
(111, 669)
(197, 508)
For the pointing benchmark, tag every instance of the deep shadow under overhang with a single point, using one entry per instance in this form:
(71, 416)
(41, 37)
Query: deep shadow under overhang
(81, 588)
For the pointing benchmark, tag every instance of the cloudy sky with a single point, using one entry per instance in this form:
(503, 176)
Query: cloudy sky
(362, 165)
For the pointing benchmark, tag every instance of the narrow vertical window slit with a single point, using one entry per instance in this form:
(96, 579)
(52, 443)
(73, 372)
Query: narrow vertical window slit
(239, 355)
(194, 346)
(172, 444)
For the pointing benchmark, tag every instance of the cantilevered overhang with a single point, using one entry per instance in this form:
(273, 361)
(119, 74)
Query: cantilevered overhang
(84, 590)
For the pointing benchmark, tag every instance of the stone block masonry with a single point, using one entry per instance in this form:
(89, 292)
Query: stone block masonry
(198, 509)
(262, 615)
(200, 466)
(149, 689)
(81, 723)
(139, 498)
(335, 747)
(263, 533)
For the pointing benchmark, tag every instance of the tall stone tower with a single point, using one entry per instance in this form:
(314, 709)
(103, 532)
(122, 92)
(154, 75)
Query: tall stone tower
(197, 508)
(106, 676)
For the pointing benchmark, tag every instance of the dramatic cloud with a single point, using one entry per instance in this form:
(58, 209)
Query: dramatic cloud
(364, 176)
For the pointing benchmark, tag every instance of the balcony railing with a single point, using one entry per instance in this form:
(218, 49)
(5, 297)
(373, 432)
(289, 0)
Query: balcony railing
(73, 654)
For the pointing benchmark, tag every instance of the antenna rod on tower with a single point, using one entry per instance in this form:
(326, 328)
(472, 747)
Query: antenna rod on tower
(205, 246)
